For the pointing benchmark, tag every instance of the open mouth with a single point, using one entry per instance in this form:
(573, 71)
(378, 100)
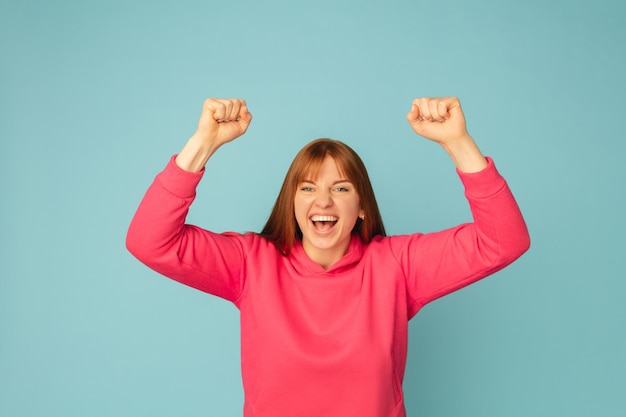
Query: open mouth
(323, 223)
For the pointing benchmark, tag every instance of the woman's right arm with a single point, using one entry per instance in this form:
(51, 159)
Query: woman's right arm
(158, 235)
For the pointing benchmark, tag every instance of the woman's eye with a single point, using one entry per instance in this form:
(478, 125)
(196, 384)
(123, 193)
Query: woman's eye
(342, 189)
(306, 189)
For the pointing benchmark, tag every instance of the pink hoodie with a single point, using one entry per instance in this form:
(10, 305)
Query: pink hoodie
(330, 342)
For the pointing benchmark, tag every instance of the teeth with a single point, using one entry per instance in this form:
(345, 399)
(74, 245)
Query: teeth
(323, 218)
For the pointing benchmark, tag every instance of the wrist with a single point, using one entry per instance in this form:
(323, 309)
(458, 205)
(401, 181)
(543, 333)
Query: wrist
(465, 154)
(196, 152)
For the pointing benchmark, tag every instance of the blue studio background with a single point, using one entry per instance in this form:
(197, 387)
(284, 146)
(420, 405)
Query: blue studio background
(95, 97)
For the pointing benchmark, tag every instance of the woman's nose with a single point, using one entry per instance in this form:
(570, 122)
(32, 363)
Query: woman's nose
(324, 199)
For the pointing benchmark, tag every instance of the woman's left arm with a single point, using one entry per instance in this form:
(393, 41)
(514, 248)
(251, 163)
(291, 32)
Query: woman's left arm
(439, 263)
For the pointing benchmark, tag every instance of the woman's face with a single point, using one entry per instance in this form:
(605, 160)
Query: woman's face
(326, 209)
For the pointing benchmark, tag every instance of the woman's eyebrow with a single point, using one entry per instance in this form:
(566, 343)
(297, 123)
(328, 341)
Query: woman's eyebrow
(334, 182)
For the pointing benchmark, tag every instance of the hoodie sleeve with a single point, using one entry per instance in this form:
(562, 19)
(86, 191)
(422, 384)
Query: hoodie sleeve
(159, 237)
(436, 264)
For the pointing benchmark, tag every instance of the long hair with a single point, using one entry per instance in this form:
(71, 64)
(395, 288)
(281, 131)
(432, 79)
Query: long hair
(282, 228)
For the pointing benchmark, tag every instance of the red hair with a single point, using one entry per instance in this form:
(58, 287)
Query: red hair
(282, 227)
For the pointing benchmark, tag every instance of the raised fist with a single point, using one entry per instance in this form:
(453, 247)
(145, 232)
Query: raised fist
(223, 120)
(439, 119)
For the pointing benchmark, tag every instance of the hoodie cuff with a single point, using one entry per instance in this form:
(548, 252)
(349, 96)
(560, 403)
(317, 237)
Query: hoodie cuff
(484, 183)
(178, 181)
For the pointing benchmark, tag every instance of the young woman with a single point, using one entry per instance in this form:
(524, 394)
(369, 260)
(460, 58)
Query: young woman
(324, 296)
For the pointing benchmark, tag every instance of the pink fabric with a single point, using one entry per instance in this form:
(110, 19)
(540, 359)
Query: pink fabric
(330, 342)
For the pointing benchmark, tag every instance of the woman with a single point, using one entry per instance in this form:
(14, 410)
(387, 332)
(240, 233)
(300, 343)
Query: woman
(324, 296)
